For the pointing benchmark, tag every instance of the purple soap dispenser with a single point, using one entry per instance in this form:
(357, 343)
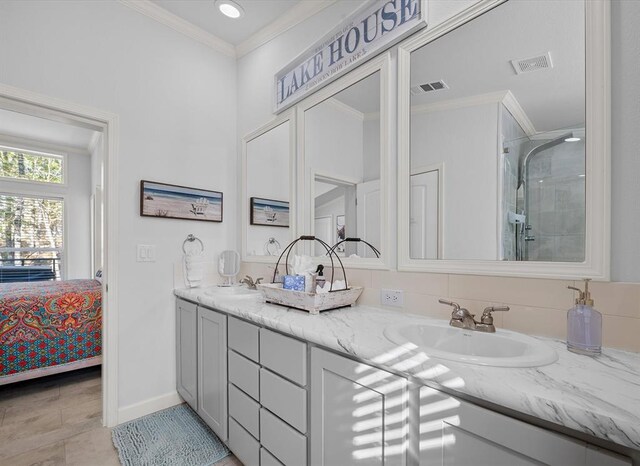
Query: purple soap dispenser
(584, 324)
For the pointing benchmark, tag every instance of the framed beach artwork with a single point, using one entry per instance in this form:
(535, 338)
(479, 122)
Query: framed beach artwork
(269, 212)
(171, 201)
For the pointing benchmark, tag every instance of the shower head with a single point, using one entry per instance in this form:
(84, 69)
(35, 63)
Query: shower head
(524, 159)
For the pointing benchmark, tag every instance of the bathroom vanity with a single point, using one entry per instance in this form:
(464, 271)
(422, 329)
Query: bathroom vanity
(282, 387)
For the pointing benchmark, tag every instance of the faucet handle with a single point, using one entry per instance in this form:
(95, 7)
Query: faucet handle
(456, 306)
(458, 313)
(487, 318)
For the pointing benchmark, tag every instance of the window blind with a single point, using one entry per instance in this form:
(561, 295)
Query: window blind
(31, 237)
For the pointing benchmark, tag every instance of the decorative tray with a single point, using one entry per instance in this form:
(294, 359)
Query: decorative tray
(313, 303)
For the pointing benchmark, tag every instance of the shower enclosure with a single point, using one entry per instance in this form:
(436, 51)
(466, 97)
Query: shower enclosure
(544, 197)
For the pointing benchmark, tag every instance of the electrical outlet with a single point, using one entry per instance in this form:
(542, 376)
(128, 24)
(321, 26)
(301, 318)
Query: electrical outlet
(394, 298)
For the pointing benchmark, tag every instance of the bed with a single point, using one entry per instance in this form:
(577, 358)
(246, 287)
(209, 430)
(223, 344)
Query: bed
(49, 327)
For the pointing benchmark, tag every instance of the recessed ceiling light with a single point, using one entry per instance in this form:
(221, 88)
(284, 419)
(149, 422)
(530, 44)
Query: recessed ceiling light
(230, 8)
(572, 140)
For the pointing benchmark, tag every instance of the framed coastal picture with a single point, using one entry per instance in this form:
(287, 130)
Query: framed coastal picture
(172, 201)
(269, 212)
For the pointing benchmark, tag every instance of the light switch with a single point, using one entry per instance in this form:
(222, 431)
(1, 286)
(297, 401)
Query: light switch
(146, 253)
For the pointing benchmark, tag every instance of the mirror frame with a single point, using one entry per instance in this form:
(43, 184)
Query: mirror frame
(381, 64)
(287, 116)
(598, 156)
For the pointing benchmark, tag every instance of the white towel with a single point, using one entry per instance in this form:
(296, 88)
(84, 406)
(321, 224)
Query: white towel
(193, 269)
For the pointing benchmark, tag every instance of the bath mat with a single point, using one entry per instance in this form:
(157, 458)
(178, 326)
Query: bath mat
(172, 437)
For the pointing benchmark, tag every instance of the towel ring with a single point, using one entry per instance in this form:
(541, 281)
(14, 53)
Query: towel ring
(272, 247)
(191, 239)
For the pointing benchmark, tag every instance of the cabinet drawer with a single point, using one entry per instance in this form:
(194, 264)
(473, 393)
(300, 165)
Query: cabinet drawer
(243, 338)
(284, 399)
(244, 410)
(267, 459)
(286, 444)
(243, 445)
(284, 356)
(244, 374)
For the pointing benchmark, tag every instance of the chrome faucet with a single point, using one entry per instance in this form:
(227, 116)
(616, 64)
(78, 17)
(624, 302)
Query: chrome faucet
(250, 283)
(462, 318)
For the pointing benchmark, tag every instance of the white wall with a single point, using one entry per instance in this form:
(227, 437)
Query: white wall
(465, 141)
(78, 216)
(334, 141)
(625, 140)
(176, 103)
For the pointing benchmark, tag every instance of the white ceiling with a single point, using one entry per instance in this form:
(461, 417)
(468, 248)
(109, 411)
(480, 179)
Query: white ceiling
(205, 15)
(475, 59)
(364, 96)
(39, 130)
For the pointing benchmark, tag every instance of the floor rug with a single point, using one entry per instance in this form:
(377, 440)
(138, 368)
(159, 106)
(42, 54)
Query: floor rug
(172, 437)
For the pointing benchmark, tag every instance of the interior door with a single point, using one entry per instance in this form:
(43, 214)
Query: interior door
(368, 201)
(323, 229)
(424, 221)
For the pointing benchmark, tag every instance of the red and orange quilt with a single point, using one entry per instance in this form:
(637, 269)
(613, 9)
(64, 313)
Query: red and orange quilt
(45, 324)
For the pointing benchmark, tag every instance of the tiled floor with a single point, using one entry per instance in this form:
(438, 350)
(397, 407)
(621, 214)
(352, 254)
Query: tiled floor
(56, 421)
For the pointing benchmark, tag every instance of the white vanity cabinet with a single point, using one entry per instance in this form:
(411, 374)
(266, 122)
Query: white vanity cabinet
(186, 352)
(453, 432)
(358, 413)
(267, 396)
(212, 370)
(201, 355)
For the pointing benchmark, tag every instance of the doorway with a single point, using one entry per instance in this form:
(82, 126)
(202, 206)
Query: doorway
(103, 207)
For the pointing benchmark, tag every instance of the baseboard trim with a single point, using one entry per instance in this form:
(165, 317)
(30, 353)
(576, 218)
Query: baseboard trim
(134, 411)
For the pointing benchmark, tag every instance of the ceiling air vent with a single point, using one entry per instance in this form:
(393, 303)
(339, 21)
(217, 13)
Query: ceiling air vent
(526, 65)
(428, 87)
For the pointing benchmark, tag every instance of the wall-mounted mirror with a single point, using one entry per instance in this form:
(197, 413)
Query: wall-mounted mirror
(268, 190)
(499, 159)
(343, 139)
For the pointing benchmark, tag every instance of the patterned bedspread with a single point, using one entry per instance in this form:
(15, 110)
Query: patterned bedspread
(45, 324)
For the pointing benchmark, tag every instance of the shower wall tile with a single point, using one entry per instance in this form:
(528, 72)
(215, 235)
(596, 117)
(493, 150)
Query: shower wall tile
(569, 248)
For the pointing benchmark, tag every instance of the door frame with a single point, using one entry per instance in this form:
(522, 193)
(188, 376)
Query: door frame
(51, 108)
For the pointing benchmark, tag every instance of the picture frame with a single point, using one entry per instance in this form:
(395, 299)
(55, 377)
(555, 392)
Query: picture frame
(269, 212)
(180, 202)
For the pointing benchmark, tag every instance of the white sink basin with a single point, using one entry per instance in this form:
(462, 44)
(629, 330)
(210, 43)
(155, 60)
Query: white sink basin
(239, 291)
(503, 348)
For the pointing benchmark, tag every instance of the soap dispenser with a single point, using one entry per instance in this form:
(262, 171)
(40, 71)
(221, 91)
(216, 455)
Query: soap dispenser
(584, 324)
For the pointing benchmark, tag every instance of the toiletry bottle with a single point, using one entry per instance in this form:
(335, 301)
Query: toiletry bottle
(320, 280)
(584, 324)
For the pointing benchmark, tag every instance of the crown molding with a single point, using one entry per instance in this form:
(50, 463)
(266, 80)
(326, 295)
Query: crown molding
(516, 110)
(294, 16)
(93, 144)
(159, 14)
(38, 145)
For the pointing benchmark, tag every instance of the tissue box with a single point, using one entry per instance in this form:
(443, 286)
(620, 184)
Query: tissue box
(293, 282)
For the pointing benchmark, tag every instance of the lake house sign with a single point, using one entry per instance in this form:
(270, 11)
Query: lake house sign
(376, 26)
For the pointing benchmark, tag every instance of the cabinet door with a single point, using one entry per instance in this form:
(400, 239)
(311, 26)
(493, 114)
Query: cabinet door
(456, 433)
(212, 370)
(186, 352)
(358, 413)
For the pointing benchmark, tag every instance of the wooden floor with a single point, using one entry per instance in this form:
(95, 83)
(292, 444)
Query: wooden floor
(56, 421)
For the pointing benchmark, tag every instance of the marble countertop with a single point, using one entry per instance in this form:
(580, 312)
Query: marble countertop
(598, 396)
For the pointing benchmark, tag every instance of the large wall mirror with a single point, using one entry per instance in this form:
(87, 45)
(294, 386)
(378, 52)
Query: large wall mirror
(268, 190)
(343, 140)
(503, 142)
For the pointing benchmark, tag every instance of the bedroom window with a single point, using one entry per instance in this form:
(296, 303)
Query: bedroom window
(40, 167)
(31, 238)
